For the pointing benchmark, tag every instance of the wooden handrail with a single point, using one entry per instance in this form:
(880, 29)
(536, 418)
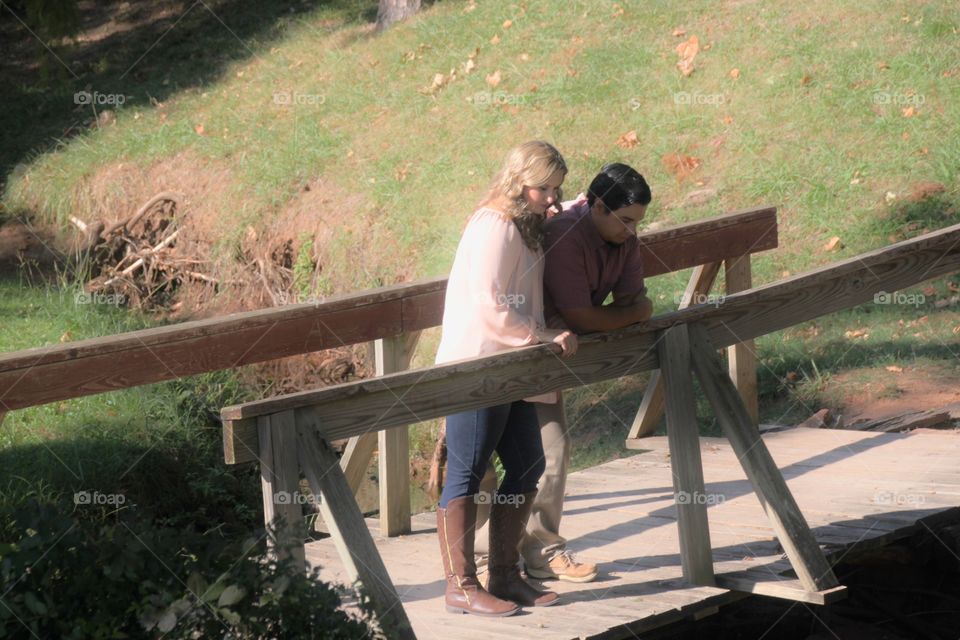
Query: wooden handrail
(48, 374)
(404, 398)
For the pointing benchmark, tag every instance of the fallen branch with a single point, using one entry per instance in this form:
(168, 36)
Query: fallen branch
(140, 261)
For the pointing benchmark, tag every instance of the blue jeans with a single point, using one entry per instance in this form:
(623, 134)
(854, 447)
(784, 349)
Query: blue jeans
(512, 430)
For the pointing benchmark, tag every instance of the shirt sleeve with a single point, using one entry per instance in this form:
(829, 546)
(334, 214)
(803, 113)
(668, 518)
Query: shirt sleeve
(631, 281)
(496, 259)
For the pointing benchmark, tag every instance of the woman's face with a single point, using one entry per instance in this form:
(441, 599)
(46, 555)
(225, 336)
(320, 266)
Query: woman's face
(541, 198)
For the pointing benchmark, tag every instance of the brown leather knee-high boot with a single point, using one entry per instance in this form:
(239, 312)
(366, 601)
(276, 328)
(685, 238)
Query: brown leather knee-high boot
(508, 519)
(455, 528)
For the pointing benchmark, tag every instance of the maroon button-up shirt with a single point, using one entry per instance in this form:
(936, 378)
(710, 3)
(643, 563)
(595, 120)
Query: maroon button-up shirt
(581, 268)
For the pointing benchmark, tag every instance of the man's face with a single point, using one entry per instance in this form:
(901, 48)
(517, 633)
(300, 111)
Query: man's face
(616, 227)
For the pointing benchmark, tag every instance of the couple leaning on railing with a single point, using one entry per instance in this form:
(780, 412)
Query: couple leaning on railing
(521, 278)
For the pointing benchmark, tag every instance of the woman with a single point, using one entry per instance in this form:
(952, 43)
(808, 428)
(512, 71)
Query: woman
(494, 302)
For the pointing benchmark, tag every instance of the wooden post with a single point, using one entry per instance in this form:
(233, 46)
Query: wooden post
(355, 546)
(742, 358)
(651, 407)
(280, 479)
(392, 355)
(791, 528)
(684, 439)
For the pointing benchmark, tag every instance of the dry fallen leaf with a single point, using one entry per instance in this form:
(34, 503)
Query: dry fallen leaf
(199, 129)
(617, 11)
(495, 39)
(734, 73)
(494, 78)
(628, 140)
(507, 24)
(909, 112)
(929, 292)
(833, 244)
(857, 333)
(680, 165)
(727, 119)
(687, 50)
(894, 369)
(679, 32)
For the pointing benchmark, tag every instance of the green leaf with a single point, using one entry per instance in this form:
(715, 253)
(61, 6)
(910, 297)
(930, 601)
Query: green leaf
(167, 621)
(231, 595)
(34, 603)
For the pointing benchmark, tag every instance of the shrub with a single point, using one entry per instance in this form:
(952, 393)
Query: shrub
(68, 578)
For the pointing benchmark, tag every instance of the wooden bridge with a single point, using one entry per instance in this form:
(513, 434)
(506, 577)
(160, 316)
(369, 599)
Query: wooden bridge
(288, 435)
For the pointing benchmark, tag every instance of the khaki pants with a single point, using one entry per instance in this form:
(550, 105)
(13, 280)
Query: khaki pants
(542, 538)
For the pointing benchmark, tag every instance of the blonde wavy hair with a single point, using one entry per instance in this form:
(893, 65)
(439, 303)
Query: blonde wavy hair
(527, 165)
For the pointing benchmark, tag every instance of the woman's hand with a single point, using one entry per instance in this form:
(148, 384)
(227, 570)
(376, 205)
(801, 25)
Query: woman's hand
(566, 339)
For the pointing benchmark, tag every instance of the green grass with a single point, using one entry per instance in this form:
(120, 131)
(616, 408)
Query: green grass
(813, 124)
(158, 445)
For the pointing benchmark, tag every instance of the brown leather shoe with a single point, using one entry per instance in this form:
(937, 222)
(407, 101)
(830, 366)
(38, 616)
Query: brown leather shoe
(507, 523)
(455, 528)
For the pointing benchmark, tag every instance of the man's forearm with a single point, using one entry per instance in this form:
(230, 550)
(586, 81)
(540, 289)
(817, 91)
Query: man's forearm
(607, 318)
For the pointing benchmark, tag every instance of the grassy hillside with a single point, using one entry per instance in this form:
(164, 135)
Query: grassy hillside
(304, 125)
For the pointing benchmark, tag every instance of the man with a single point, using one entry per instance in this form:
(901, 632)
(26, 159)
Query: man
(591, 251)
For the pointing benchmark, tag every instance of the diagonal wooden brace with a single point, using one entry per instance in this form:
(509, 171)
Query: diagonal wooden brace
(789, 525)
(354, 544)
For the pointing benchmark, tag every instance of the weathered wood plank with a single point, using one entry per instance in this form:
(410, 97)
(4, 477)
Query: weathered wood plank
(742, 357)
(348, 530)
(392, 355)
(280, 480)
(652, 404)
(47, 374)
(241, 441)
(683, 436)
(356, 407)
(696, 243)
(788, 522)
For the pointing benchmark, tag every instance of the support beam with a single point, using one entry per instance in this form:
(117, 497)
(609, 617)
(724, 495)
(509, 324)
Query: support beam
(742, 357)
(683, 436)
(280, 480)
(788, 523)
(350, 535)
(393, 355)
(651, 407)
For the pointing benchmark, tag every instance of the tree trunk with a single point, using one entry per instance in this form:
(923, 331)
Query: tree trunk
(391, 11)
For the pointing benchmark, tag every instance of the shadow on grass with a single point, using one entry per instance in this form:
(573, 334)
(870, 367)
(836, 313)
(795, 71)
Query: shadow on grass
(177, 481)
(144, 51)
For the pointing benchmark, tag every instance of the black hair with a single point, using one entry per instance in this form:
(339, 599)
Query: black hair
(618, 186)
